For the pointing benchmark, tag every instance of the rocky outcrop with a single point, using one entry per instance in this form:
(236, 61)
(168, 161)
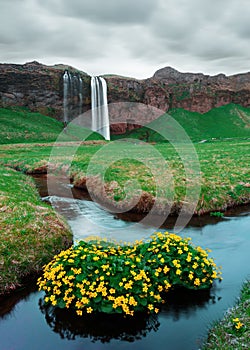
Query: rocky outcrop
(40, 88)
(200, 93)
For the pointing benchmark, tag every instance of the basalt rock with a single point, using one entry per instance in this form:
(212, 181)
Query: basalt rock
(40, 88)
(200, 93)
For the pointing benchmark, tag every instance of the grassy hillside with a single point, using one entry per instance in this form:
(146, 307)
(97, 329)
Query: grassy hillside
(227, 121)
(22, 126)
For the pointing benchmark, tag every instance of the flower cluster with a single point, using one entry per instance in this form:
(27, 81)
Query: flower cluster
(101, 276)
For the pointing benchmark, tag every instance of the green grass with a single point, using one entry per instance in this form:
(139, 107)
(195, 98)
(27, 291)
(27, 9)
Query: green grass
(224, 334)
(229, 121)
(19, 125)
(224, 166)
(31, 232)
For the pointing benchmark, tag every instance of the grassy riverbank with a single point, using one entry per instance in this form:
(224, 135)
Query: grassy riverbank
(224, 169)
(233, 331)
(31, 232)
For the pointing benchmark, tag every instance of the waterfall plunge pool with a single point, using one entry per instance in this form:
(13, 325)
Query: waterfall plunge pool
(184, 320)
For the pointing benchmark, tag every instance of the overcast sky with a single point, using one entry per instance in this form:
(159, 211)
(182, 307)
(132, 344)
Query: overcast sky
(128, 37)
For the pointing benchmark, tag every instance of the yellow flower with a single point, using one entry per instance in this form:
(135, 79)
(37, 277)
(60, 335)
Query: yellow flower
(197, 282)
(191, 275)
(150, 307)
(195, 265)
(132, 301)
(166, 269)
(239, 325)
(236, 319)
(214, 275)
(89, 310)
(128, 285)
(156, 310)
(79, 312)
(178, 272)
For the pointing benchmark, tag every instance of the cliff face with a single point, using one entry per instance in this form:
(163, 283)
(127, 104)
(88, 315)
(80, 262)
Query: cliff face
(196, 92)
(200, 93)
(40, 88)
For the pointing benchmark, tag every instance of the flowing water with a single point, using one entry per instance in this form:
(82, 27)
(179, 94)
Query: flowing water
(99, 107)
(72, 96)
(66, 83)
(185, 318)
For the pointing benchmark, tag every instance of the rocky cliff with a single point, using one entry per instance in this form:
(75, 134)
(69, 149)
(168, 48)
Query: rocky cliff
(40, 88)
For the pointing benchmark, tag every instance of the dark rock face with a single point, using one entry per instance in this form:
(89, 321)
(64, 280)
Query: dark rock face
(40, 88)
(169, 88)
(200, 93)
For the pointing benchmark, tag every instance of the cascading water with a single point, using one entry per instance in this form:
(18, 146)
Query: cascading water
(66, 85)
(99, 106)
(72, 96)
(80, 94)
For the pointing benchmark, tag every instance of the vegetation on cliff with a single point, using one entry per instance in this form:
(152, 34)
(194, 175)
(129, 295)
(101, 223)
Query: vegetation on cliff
(229, 121)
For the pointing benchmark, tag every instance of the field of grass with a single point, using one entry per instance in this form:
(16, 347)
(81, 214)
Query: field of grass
(224, 169)
(233, 332)
(229, 121)
(31, 232)
(19, 125)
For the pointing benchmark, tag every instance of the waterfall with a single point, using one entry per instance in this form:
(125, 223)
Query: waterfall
(80, 94)
(72, 95)
(66, 85)
(99, 106)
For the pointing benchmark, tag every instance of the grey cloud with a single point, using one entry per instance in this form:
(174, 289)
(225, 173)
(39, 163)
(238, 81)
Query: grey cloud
(108, 11)
(130, 36)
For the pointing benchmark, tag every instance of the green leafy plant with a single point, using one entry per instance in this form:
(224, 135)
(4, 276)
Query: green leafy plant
(218, 214)
(102, 276)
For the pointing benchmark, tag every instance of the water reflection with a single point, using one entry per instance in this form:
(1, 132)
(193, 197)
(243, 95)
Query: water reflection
(183, 302)
(104, 328)
(98, 327)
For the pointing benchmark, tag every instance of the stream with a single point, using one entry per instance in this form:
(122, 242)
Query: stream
(183, 323)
